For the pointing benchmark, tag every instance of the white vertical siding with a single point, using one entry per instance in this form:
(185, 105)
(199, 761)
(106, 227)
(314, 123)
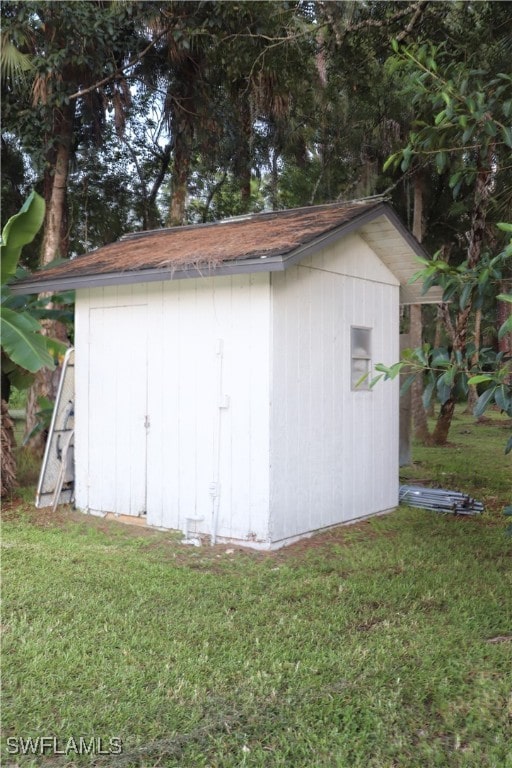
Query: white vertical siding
(174, 352)
(334, 452)
(111, 382)
(82, 355)
(209, 347)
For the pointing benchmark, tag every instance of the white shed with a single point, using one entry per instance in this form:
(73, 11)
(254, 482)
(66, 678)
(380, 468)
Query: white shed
(215, 371)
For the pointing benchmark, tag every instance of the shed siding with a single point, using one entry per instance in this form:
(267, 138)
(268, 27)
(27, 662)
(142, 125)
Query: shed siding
(207, 344)
(213, 350)
(334, 452)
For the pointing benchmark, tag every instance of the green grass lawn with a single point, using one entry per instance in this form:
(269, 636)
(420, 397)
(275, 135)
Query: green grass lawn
(387, 644)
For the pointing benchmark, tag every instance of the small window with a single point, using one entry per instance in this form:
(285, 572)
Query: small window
(360, 349)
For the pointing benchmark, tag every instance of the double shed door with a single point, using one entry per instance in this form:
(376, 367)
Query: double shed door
(146, 458)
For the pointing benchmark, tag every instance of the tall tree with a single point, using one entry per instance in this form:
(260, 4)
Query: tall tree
(71, 46)
(468, 139)
(73, 49)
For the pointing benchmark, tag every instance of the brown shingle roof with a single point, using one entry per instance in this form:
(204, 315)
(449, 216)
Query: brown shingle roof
(261, 242)
(257, 236)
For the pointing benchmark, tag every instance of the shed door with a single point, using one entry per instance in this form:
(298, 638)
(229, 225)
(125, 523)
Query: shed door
(118, 409)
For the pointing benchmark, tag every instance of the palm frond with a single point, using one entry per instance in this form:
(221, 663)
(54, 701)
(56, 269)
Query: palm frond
(13, 63)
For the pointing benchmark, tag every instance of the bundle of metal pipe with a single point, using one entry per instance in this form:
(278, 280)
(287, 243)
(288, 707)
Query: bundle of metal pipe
(439, 500)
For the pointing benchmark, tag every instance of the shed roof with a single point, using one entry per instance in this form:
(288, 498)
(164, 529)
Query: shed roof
(260, 242)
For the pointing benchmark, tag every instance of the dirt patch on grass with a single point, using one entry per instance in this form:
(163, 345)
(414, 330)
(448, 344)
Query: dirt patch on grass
(65, 515)
(340, 536)
(17, 509)
(166, 545)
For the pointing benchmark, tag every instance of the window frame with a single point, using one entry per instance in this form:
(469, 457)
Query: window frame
(364, 386)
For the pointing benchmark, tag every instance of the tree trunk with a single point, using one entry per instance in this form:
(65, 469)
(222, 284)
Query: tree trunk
(54, 240)
(8, 443)
(244, 163)
(405, 416)
(274, 181)
(431, 410)
(444, 420)
(55, 220)
(419, 415)
(472, 393)
(178, 208)
(504, 310)
(151, 215)
(183, 134)
(476, 237)
(185, 108)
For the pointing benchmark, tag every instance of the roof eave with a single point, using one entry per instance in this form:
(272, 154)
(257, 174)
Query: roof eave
(98, 280)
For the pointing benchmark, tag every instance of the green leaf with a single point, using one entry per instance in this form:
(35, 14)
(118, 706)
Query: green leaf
(450, 374)
(22, 341)
(19, 231)
(507, 135)
(484, 401)
(441, 360)
(390, 161)
(390, 372)
(454, 179)
(406, 159)
(490, 128)
(479, 379)
(427, 394)
(444, 390)
(421, 354)
(503, 398)
(505, 328)
(13, 62)
(461, 388)
(20, 379)
(468, 133)
(407, 383)
(441, 160)
(465, 294)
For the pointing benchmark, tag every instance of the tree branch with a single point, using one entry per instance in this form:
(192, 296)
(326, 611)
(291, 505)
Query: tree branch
(120, 72)
(417, 14)
(417, 7)
(444, 312)
(212, 193)
(165, 157)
